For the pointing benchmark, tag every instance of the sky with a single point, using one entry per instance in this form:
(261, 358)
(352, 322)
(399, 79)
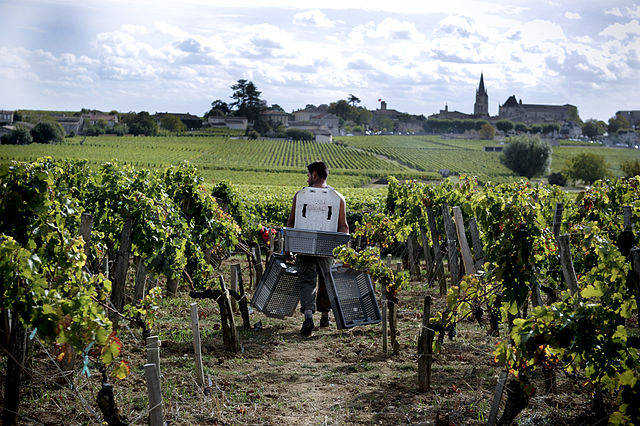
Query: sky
(160, 56)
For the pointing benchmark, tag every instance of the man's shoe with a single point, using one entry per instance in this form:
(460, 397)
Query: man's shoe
(324, 322)
(307, 327)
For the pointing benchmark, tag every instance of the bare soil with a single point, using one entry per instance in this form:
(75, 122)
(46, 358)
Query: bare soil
(334, 377)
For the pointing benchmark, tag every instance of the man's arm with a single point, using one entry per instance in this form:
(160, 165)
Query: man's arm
(343, 226)
(292, 215)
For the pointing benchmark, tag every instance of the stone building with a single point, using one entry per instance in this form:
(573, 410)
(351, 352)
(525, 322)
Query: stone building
(515, 110)
(6, 117)
(71, 124)
(633, 117)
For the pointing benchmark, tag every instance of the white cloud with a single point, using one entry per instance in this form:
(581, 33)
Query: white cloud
(614, 11)
(634, 11)
(622, 31)
(572, 15)
(390, 29)
(538, 31)
(313, 18)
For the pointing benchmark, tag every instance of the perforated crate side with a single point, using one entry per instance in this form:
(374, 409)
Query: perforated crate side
(314, 243)
(352, 298)
(277, 294)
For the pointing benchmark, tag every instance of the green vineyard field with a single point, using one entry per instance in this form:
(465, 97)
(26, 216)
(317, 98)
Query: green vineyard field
(354, 161)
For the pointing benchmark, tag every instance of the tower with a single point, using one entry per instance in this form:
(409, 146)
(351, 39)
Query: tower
(481, 107)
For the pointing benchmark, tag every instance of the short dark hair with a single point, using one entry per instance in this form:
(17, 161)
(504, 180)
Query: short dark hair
(320, 168)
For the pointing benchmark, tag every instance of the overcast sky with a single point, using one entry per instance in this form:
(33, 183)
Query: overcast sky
(179, 56)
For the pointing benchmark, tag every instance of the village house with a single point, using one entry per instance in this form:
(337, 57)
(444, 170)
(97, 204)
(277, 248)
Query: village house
(235, 123)
(72, 124)
(315, 118)
(276, 117)
(6, 117)
(402, 122)
(91, 119)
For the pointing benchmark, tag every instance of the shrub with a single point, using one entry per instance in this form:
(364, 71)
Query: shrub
(487, 131)
(299, 134)
(557, 178)
(528, 156)
(505, 125)
(630, 168)
(47, 132)
(18, 136)
(587, 167)
(521, 127)
(253, 135)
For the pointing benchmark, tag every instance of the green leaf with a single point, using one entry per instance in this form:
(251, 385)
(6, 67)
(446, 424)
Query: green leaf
(513, 308)
(620, 334)
(628, 378)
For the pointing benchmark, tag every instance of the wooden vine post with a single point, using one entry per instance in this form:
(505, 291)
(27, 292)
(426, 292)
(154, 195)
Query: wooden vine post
(557, 219)
(436, 250)
(414, 267)
(156, 417)
(153, 352)
(86, 224)
(236, 279)
(141, 279)
(257, 258)
(120, 272)
(393, 318)
(425, 345)
(383, 292)
(627, 217)
(234, 288)
(197, 347)
(426, 250)
(15, 364)
(497, 397)
(567, 264)
(452, 248)
(229, 332)
(478, 252)
(467, 258)
(635, 258)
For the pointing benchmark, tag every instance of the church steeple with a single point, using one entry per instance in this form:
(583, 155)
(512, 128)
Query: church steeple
(481, 107)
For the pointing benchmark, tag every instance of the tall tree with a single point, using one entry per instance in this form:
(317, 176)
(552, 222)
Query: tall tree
(353, 100)
(172, 123)
(142, 124)
(616, 123)
(247, 100)
(218, 108)
(593, 128)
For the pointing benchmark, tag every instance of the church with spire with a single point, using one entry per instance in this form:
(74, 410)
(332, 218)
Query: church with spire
(512, 110)
(480, 108)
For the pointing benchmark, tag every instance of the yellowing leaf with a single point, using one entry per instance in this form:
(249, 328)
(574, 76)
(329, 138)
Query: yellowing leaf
(591, 291)
(121, 371)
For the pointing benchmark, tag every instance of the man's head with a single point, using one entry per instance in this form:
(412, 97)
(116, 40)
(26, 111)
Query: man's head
(317, 172)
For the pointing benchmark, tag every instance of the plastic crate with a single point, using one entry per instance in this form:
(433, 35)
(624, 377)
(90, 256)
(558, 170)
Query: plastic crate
(353, 300)
(277, 294)
(314, 243)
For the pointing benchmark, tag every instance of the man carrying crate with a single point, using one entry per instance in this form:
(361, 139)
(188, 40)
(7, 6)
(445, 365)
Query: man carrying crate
(315, 209)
